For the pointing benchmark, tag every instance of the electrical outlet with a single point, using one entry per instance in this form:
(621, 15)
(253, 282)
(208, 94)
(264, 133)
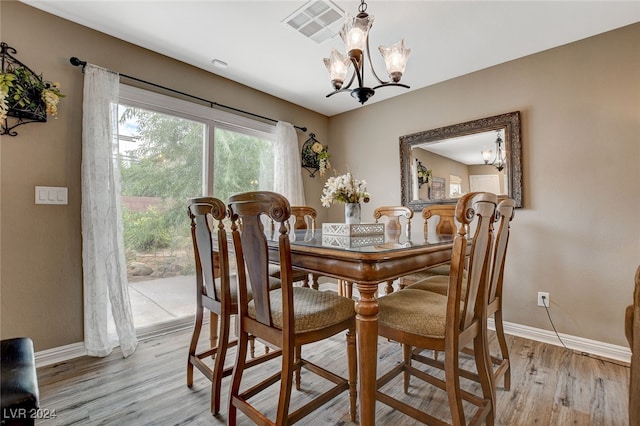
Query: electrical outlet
(544, 302)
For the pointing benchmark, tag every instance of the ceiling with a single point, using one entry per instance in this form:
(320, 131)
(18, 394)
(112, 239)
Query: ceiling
(447, 38)
(464, 149)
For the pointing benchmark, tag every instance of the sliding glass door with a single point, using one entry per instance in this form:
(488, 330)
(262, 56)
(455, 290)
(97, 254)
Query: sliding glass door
(169, 151)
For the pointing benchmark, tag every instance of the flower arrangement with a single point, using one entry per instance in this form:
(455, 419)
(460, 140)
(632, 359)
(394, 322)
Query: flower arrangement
(23, 94)
(322, 154)
(344, 189)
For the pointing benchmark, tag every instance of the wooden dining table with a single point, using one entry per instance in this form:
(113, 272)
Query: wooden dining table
(366, 264)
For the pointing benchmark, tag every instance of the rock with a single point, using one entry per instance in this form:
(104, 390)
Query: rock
(140, 270)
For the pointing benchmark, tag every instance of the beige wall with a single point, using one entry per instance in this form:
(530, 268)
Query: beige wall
(41, 270)
(578, 235)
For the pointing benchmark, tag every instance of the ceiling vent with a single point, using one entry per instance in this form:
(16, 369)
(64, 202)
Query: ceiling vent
(318, 20)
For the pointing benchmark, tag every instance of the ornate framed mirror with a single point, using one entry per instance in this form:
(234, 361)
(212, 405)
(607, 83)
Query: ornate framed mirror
(479, 155)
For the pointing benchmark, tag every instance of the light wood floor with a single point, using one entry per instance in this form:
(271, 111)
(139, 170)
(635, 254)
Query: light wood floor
(550, 386)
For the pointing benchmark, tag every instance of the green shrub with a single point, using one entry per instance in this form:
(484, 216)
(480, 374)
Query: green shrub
(145, 231)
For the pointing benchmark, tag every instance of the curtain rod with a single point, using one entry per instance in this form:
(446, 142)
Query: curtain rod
(77, 62)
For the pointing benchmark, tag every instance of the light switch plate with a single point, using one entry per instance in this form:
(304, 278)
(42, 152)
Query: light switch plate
(52, 195)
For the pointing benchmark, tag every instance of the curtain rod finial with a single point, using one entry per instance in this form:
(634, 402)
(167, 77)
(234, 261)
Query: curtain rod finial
(77, 62)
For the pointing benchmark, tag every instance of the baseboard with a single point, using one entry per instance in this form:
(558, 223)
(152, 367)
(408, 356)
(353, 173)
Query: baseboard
(579, 344)
(76, 350)
(60, 354)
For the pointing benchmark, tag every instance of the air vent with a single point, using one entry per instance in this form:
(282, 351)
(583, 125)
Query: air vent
(318, 20)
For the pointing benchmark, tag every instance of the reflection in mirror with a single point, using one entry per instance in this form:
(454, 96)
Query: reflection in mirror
(479, 155)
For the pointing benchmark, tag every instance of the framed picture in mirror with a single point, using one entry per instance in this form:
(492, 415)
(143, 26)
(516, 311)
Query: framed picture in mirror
(437, 191)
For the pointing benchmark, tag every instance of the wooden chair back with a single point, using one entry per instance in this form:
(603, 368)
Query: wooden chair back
(210, 263)
(503, 217)
(446, 213)
(252, 253)
(478, 207)
(394, 214)
(303, 217)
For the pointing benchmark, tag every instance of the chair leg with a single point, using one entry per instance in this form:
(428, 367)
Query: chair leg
(286, 380)
(213, 329)
(345, 288)
(218, 366)
(314, 282)
(485, 373)
(197, 326)
(252, 346)
(297, 364)
(504, 349)
(236, 379)
(406, 354)
(452, 384)
(389, 287)
(348, 289)
(353, 372)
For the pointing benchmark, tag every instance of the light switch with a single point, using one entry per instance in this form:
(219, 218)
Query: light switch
(51, 195)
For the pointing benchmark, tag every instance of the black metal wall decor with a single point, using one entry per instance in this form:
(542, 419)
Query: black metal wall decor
(24, 96)
(424, 175)
(315, 156)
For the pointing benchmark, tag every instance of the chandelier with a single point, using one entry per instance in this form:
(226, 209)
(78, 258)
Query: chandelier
(500, 160)
(355, 34)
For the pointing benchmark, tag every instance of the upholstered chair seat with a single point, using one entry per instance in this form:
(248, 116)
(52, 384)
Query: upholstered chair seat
(437, 284)
(274, 283)
(417, 312)
(314, 310)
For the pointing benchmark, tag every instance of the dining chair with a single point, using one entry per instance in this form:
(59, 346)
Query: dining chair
(428, 320)
(304, 218)
(286, 318)
(445, 216)
(440, 284)
(632, 332)
(299, 216)
(215, 293)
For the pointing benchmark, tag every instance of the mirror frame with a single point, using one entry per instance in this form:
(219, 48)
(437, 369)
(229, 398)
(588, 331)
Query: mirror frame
(510, 122)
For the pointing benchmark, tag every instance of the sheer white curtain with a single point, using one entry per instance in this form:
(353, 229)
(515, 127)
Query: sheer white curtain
(288, 173)
(106, 294)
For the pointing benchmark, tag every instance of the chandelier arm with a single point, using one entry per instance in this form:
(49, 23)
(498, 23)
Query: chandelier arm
(353, 76)
(392, 84)
(373, 71)
(338, 91)
(358, 71)
(344, 88)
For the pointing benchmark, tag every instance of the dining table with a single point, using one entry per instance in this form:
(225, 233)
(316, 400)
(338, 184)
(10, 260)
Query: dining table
(366, 261)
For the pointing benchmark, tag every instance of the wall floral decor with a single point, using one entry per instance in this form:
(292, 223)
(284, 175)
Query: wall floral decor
(424, 174)
(315, 156)
(25, 96)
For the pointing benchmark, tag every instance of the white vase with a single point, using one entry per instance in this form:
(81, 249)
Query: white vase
(352, 212)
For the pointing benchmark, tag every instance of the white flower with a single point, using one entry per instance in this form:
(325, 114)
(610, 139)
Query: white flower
(344, 189)
(3, 105)
(317, 147)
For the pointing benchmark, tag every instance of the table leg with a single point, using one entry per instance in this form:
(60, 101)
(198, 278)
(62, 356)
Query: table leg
(367, 335)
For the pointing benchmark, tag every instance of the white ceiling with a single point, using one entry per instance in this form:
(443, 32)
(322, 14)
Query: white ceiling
(464, 149)
(447, 38)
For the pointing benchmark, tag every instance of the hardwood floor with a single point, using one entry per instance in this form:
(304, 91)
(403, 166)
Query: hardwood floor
(550, 386)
